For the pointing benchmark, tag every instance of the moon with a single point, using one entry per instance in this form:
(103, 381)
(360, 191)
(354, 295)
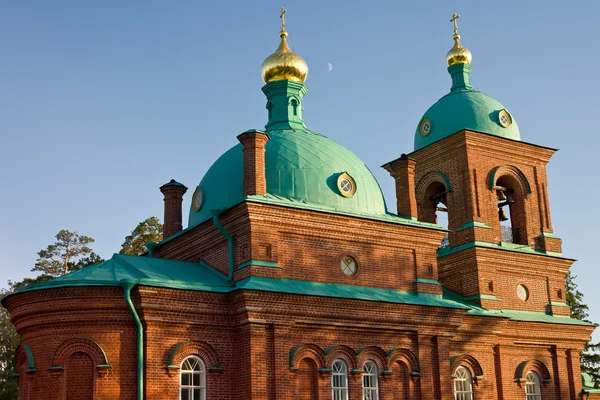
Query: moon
(329, 67)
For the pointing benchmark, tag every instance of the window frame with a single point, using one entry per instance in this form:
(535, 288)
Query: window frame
(339, 392)
(463, 375)
(201, 372)
(369, 391)
(534, 384)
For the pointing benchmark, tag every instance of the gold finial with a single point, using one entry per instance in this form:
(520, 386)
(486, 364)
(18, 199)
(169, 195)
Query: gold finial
(455, 16)
(282, 16)
(284, 64)
(457, 54)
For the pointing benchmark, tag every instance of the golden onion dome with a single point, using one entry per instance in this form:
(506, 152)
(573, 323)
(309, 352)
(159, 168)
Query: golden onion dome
(284, 64)
(457, 54)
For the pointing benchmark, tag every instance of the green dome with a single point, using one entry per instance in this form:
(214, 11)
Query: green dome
(300, 165)
(464, 108)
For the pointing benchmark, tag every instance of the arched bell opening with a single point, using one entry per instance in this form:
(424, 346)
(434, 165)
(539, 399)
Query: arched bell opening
(511, 210)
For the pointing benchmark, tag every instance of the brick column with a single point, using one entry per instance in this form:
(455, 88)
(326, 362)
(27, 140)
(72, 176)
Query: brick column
(254, 142)
(443, 362)
(173, 192)
(403, 172)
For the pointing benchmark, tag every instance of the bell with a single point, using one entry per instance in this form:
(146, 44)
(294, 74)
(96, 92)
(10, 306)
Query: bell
(501, 215)
(500, 194)
(509, 198)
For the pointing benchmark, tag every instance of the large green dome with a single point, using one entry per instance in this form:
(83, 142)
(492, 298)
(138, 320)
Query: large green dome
(300, 165)
(464, 108)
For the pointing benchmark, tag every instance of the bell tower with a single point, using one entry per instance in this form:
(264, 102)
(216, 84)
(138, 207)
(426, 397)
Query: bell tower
(470, 162)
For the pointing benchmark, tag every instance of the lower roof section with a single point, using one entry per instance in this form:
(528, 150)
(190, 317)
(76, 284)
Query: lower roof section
(171, 274)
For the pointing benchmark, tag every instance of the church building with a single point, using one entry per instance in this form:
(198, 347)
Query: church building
(293, 280)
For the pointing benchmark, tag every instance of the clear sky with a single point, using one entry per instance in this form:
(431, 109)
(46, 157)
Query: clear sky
(102, 102)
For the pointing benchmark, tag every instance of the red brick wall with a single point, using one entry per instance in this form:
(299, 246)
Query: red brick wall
(79, 374)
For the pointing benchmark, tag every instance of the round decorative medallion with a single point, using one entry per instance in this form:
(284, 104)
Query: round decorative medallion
(425, 127)
(504, 118)
(346, 185)
(349, 265)
(522, 292)
(197, 199)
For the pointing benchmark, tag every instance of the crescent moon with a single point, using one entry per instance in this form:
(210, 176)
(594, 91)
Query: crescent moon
(329, 67)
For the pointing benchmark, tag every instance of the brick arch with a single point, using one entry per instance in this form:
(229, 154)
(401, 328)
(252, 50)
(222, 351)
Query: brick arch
(23, 353)
(311, 351)
(374, 354)
(512, 171)
(467, 361)
(341, 352)
(202, 349)
(404, 356)
(79, 345)
(428, 179)
(536, 366)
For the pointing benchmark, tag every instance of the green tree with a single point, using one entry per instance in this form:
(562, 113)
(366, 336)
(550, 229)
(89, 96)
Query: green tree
(61, 257)
(9, 340)
(590, 356)
(149, 230)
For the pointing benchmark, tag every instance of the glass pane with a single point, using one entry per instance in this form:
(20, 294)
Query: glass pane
(196, 380)
(196, 394)
(185, 394)
(185, 379)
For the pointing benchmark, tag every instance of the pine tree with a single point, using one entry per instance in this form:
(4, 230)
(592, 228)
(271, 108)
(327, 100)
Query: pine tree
(590, 356)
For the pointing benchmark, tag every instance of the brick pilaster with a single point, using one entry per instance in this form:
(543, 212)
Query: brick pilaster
(255, 181)
(403, 172)
(173, 192)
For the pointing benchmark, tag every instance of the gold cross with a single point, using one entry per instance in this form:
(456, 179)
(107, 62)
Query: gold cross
(455, 16)
(282, 16)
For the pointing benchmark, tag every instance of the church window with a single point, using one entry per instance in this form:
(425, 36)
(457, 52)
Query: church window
(463, 388)
(346, 185)
(295, 106)
(522, 292)
(348, 265)
(532, 386)
(339, 381)
(370, 384)
(425, 127)
(504, 118)
(197, 199)
(192, 379)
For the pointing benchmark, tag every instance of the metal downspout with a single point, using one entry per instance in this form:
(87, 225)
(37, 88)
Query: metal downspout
(229, 238)
(127, 286)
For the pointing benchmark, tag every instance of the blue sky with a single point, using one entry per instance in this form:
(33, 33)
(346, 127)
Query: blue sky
(102, 102)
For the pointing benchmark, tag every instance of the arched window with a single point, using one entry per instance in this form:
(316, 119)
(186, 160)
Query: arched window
(532, 386)
(369, 381)
(192, 381)
(463, 389)
(339, 380)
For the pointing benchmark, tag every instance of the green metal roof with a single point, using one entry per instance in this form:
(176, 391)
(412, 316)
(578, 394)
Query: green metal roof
(464, 108)
(158, 272)
(300, 165)
(141, 270)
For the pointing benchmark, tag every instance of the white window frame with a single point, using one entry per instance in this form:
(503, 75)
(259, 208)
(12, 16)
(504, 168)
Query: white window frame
(463, 384)
(370, 381)
(533, 390)
(202, 380)
(339, 380)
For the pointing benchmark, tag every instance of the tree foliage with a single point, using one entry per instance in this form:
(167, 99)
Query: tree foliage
(9, 340)
(61, 257)
(149, 230)
(590, 356)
